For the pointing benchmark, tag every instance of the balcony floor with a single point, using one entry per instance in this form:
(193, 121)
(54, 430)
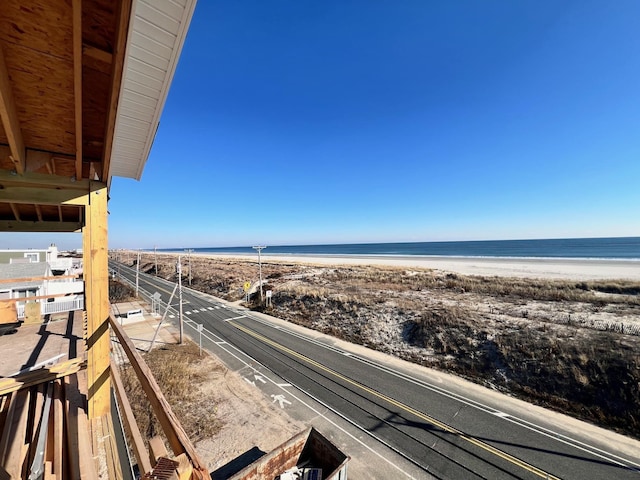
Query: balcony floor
(33, 344)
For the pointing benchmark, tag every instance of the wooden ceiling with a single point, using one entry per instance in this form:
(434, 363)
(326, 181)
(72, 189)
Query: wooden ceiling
(61, 67)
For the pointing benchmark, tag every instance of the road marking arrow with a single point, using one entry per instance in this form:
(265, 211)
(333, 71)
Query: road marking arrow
(260, 378)
(251, 383)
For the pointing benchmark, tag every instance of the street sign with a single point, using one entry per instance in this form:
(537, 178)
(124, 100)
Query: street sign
(269, 293)
(247, 286)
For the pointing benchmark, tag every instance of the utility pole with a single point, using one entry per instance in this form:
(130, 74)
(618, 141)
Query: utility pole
(179, 269)
(189, 250)
(155, 252)
(259, 249)
(137, 272)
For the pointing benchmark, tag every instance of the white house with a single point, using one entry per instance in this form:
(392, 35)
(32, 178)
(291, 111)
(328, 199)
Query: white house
(34, 272)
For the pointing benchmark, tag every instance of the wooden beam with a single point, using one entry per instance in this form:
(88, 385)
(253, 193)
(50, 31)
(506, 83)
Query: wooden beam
(81, 465)
(129, 421)
(58, 434)
(43, 180)
(177, 437)
(38, 212)
(37, 227)
(97, 54)
(9, 117)
(96, 275)
(42, 196)
(117, 71)
(108, 440)
(41, 375)
(37, 279)
(77, 81)
(16, 213)
(13, 450)
(60, 213)
(43, 189)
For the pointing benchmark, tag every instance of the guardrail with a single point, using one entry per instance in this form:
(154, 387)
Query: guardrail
(59, 306)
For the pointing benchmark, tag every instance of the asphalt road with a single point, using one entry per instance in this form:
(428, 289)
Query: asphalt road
(445, 433)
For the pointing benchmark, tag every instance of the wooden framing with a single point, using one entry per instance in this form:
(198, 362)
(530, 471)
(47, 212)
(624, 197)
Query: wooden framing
(81, 466)
(43, 189)
(77, 81)
(12, 447)
(36, 279)
(129, 421)
(177, 437)
(36, 377)
(61, 76)
(15, 226)
(10, 118)
(96, 273)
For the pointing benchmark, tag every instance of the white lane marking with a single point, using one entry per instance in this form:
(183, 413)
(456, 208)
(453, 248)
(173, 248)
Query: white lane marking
(188, 312)
(280, 399)
(234, 318)
(347, 354)
(172, 316)
(283, 385)
(208, 335)
(572, 442)
(217, 307)
(501, 414)
(209, 308)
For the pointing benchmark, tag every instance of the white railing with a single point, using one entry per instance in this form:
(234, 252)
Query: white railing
(58, 306)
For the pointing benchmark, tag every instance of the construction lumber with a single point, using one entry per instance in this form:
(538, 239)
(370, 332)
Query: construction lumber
(13, 449)
(42, 375)
(107, 441)
(129, 421)
(96, 275)
(9, 117)
(177, 437)
(157, 449)
(77, 81)
(80, 456)
(57, 428)
(37, 279)
(184, 469)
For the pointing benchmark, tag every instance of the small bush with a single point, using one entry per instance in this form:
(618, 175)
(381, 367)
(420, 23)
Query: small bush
(120, 292)
(176, 369)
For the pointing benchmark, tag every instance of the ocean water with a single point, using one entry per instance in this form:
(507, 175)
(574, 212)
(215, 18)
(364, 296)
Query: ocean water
(605, 248)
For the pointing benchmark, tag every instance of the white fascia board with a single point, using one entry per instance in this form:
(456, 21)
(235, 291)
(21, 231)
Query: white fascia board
(157, 31)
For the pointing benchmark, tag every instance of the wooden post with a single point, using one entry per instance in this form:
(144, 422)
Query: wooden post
(96, 280)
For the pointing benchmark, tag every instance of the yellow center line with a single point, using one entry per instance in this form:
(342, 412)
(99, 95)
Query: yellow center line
(478, 443)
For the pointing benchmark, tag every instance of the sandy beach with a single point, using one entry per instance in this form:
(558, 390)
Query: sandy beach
(555, 332)
(548, 268)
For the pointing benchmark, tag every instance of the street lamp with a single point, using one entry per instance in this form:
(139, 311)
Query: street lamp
(259, 249)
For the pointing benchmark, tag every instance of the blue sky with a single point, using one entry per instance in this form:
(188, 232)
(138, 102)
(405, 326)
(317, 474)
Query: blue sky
(302, 122)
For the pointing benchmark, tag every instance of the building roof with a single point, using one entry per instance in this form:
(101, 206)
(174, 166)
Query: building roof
(23, 270)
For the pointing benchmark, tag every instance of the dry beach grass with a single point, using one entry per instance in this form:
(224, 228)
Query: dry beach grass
(570, 345)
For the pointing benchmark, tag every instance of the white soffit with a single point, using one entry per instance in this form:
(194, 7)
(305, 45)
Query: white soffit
(156, 35)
